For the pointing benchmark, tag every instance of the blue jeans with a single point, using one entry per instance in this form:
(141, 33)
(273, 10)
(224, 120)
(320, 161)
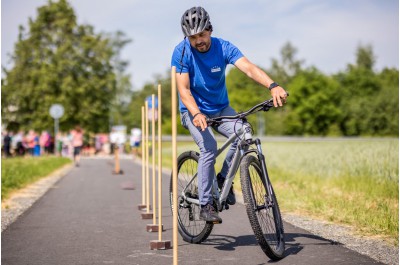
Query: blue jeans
(208, 150)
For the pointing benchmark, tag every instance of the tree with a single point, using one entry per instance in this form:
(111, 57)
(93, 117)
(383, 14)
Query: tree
(139, 97)
(369, 100)
(365, 57)
(244, 93)
(59, 61)
(288, 67)
(120, 104)
(314, 102)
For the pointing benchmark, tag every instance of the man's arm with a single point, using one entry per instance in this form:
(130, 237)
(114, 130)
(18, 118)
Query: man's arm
(183, 84)
(251, 70)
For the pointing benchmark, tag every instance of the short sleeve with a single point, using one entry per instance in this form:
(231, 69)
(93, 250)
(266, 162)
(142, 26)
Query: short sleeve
(232, 53)
(179, 59)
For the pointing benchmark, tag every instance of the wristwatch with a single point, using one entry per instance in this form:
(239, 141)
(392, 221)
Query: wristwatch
(271, 86)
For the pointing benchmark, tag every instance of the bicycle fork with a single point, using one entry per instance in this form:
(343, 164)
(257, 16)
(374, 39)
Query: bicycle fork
(268, 198)
(266, 180)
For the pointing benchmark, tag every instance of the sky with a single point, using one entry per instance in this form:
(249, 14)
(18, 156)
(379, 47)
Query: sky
(326, 33)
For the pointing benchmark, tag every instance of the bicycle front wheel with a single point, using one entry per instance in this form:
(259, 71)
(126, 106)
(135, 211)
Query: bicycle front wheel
(262, 209)
(191, 228)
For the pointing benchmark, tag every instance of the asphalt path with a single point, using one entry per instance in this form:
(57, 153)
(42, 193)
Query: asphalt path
(89, 217)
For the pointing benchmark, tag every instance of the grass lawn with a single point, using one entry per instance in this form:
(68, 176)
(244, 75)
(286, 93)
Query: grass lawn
(350, 181)
(17, 173)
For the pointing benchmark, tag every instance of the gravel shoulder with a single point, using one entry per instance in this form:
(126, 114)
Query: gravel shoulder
(377, 249)
(21, 200)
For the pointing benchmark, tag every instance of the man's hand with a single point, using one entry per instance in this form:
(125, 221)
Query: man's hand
(279, 96)
(199, 120)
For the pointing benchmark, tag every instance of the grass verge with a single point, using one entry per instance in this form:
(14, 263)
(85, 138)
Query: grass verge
(17, 173)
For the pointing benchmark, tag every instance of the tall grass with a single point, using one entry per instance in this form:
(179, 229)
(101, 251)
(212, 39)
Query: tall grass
(354, 182)
(17, 173)
(349, 182)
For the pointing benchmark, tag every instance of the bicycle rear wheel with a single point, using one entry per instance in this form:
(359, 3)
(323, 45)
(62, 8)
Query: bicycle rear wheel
(263, 212)
(191, 228)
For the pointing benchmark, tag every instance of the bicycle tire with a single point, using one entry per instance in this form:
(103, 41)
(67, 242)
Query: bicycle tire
(190, 227)
(265, 221)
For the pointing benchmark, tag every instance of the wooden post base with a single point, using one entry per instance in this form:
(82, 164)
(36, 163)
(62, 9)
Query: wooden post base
(145, 208)
(154, 228)
(141, 206)
(147, 215)
(157, 244)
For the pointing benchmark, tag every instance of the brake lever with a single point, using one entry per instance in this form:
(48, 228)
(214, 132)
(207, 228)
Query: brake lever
(268, 106)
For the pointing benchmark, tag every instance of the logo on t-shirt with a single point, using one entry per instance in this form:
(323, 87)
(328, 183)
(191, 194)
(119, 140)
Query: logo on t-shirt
(215, 69)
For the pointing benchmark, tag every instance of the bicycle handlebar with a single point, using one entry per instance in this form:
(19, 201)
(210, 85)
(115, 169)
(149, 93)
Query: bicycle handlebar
(263, 106)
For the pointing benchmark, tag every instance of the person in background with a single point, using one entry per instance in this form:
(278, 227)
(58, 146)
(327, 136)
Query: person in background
(36, 148)
(113, 140)
(30, 141)
(77, 143)
(44, 138)
(59, 144)
(49, 144)
(136, 137)
(7, 144)
(18, 139)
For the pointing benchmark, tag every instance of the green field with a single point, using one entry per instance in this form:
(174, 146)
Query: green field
(17, 173)
(349, 181)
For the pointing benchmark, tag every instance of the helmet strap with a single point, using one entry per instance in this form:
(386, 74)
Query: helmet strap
(183, 53)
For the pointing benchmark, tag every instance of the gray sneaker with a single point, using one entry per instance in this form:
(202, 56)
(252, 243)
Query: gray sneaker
(209, 214)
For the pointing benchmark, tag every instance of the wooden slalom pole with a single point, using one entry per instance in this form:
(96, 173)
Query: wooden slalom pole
(117, 169)
(148, 214)
(143, 205)
(153, 152)
(153, 227)
(160, 244)
(160, 226)
(174, 169)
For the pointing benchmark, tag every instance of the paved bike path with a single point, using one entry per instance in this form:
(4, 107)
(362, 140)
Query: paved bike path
(88, 218)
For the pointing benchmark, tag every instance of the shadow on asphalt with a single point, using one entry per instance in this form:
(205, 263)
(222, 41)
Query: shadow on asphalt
(293, 248)
(229, 243)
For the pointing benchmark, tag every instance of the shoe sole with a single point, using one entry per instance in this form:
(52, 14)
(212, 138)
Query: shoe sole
(212, 222)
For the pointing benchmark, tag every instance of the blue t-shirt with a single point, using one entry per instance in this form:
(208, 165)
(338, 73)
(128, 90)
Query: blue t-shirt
(206, 73)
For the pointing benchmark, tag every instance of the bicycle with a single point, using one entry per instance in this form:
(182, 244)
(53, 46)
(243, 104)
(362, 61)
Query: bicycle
(259, 197)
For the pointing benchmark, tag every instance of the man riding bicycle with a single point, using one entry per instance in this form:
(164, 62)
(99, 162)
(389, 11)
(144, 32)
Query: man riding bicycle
(201, 62)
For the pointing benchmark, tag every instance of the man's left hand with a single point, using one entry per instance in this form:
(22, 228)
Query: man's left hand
(279, 96)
